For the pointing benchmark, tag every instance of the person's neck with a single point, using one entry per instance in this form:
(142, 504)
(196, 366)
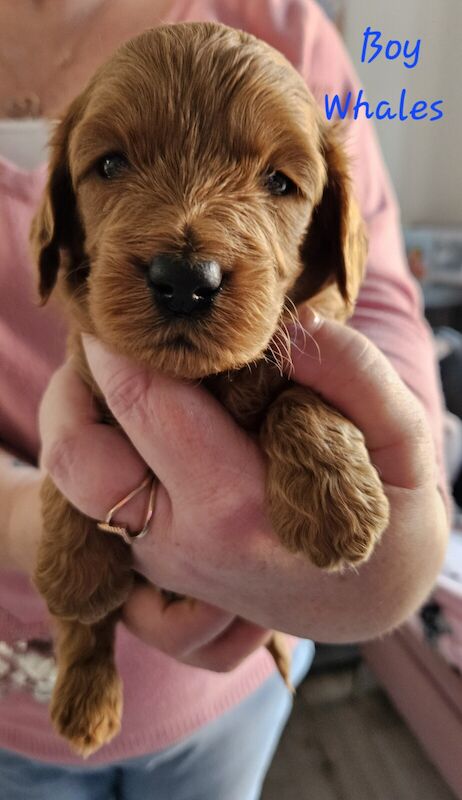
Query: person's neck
(59, 9)
(53, 14)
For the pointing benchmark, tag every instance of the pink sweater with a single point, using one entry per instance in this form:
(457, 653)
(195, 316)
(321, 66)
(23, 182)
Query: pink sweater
(164, 700)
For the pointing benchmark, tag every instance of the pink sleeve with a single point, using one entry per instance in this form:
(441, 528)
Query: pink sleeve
(389, 309)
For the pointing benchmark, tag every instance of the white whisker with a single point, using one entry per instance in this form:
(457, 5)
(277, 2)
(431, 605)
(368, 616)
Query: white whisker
(281, 341)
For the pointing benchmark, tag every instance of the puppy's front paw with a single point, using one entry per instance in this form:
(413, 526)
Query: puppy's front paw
(86, 707)
(325, 497)
(342, 528)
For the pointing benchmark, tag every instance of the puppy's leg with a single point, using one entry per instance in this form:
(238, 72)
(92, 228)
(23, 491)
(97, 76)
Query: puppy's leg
(86, 706)
(325, 498)
(82, 573)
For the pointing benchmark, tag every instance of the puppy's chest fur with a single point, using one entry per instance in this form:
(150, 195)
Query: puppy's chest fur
(246, 393)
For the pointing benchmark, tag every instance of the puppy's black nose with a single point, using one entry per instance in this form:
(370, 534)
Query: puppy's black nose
(181, 287)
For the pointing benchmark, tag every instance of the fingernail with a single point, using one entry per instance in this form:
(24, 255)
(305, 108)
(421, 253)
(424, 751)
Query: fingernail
(309, 318)
(94, 349)
(88, 339)
(308, 321)
(92, 346)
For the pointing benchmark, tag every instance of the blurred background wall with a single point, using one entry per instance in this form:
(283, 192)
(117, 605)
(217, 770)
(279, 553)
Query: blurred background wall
(424, 158)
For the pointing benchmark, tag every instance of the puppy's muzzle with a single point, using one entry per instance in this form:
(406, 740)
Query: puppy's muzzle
(183, 288)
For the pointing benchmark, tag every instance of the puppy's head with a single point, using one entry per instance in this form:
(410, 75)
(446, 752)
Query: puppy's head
(193, 189)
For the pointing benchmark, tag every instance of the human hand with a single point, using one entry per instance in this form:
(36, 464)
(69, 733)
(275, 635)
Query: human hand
(210, 538)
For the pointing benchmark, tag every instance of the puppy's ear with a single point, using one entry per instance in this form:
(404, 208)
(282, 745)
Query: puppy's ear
(335, 247)
(56, 233)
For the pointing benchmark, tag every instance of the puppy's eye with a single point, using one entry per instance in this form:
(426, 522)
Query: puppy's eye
(279, 184)
(111, 165)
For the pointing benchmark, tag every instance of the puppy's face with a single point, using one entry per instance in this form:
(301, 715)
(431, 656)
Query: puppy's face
(194, 188)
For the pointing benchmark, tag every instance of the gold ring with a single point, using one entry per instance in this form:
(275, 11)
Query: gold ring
(123, 531)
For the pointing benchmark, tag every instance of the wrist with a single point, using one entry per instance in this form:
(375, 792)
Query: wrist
(23, 527)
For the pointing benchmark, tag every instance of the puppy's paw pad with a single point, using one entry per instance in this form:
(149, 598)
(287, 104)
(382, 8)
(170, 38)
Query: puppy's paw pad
(87, 715)
(98, 734)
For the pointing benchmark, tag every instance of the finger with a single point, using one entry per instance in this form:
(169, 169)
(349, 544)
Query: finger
(167, 419)
(228, 650)
(93, 465)
(356, 378)
(176, 628)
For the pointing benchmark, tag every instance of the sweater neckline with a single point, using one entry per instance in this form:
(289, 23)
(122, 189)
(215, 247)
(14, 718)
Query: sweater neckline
(20, 181)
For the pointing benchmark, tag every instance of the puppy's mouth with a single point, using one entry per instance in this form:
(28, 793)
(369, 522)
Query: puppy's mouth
(180, 342)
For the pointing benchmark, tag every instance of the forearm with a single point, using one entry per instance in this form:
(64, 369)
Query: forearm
(19, 483)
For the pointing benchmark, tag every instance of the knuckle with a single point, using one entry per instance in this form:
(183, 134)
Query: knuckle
(125, 391)
(415, 422)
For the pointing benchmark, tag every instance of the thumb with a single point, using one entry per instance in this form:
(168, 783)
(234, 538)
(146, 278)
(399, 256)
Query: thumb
(352, 375)
(187, 438)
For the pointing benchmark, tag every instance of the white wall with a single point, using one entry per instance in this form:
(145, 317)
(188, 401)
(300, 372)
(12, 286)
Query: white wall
(425, 159)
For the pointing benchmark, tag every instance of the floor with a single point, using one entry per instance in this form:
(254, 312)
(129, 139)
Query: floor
(345, 741)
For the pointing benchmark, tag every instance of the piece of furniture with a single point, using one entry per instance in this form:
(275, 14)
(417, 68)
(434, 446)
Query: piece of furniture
(420, 667)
